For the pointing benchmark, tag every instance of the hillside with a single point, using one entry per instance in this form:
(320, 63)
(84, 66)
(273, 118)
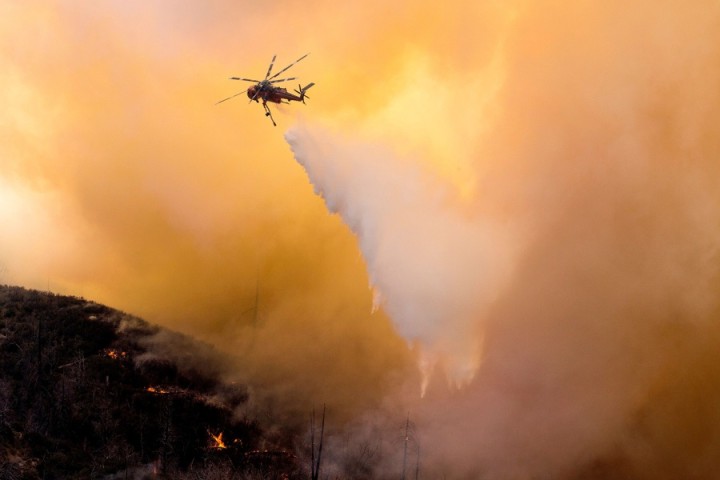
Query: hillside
(85, 392)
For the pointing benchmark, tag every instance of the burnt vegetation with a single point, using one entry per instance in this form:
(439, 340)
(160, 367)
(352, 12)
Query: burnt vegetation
(81, 396)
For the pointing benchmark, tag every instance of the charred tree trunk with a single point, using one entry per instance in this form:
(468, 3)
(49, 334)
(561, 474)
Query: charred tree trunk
(166, 434)
(407, 433)
(417, 464)
(315, 462)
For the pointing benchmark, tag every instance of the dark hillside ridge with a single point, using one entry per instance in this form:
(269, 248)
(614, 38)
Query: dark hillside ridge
(81, 396)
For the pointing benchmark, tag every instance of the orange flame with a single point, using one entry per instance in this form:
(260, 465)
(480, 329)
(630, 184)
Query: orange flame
(219, 443)
(158, 390)
(116, 355)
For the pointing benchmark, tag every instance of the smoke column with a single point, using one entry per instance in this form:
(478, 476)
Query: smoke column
(534, 187)
(584, 260)
(434, 265)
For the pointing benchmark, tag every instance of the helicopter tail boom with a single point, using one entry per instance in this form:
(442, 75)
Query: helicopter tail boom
(302, 91)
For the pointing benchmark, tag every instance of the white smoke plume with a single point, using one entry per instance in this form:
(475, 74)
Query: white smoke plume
(596, 305)
(434, 264)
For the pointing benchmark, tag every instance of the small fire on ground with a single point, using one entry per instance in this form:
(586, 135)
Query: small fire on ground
(157, 390)
(116, 354)
(217, 441)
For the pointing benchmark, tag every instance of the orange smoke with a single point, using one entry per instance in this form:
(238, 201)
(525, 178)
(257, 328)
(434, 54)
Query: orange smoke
(586, 130)
(124, 183)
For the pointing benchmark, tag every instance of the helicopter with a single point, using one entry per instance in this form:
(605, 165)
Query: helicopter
(266, 90)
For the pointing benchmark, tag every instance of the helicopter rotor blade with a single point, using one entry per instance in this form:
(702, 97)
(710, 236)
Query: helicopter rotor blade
(283, 80)
(231, 96)
(245, 79)
(281, 71)
(272, 62)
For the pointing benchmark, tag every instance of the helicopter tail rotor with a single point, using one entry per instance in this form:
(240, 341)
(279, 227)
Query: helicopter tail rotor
(301, 91)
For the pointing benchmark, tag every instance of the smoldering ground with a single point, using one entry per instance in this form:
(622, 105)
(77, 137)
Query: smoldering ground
(563, 157)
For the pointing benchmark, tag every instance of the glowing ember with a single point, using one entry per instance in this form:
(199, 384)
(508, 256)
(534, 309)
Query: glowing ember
(218, 441)
(157, 390)
(116, 355)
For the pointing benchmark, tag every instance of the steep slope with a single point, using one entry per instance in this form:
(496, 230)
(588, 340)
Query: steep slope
(86, 392)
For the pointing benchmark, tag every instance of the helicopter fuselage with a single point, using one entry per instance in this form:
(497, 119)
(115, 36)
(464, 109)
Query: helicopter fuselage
(269, 93)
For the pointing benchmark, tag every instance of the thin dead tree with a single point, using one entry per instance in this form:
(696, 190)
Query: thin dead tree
(410, 435)
(315, 462)
(417, 463)
(407, 438)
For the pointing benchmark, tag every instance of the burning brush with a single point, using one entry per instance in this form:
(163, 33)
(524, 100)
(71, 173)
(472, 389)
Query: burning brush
(217, 441)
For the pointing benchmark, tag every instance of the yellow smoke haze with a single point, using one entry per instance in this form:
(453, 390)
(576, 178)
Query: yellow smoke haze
(585, 133)
(152, 199)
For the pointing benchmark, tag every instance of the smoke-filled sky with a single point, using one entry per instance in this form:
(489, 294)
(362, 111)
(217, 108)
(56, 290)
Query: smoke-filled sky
(527, 189)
